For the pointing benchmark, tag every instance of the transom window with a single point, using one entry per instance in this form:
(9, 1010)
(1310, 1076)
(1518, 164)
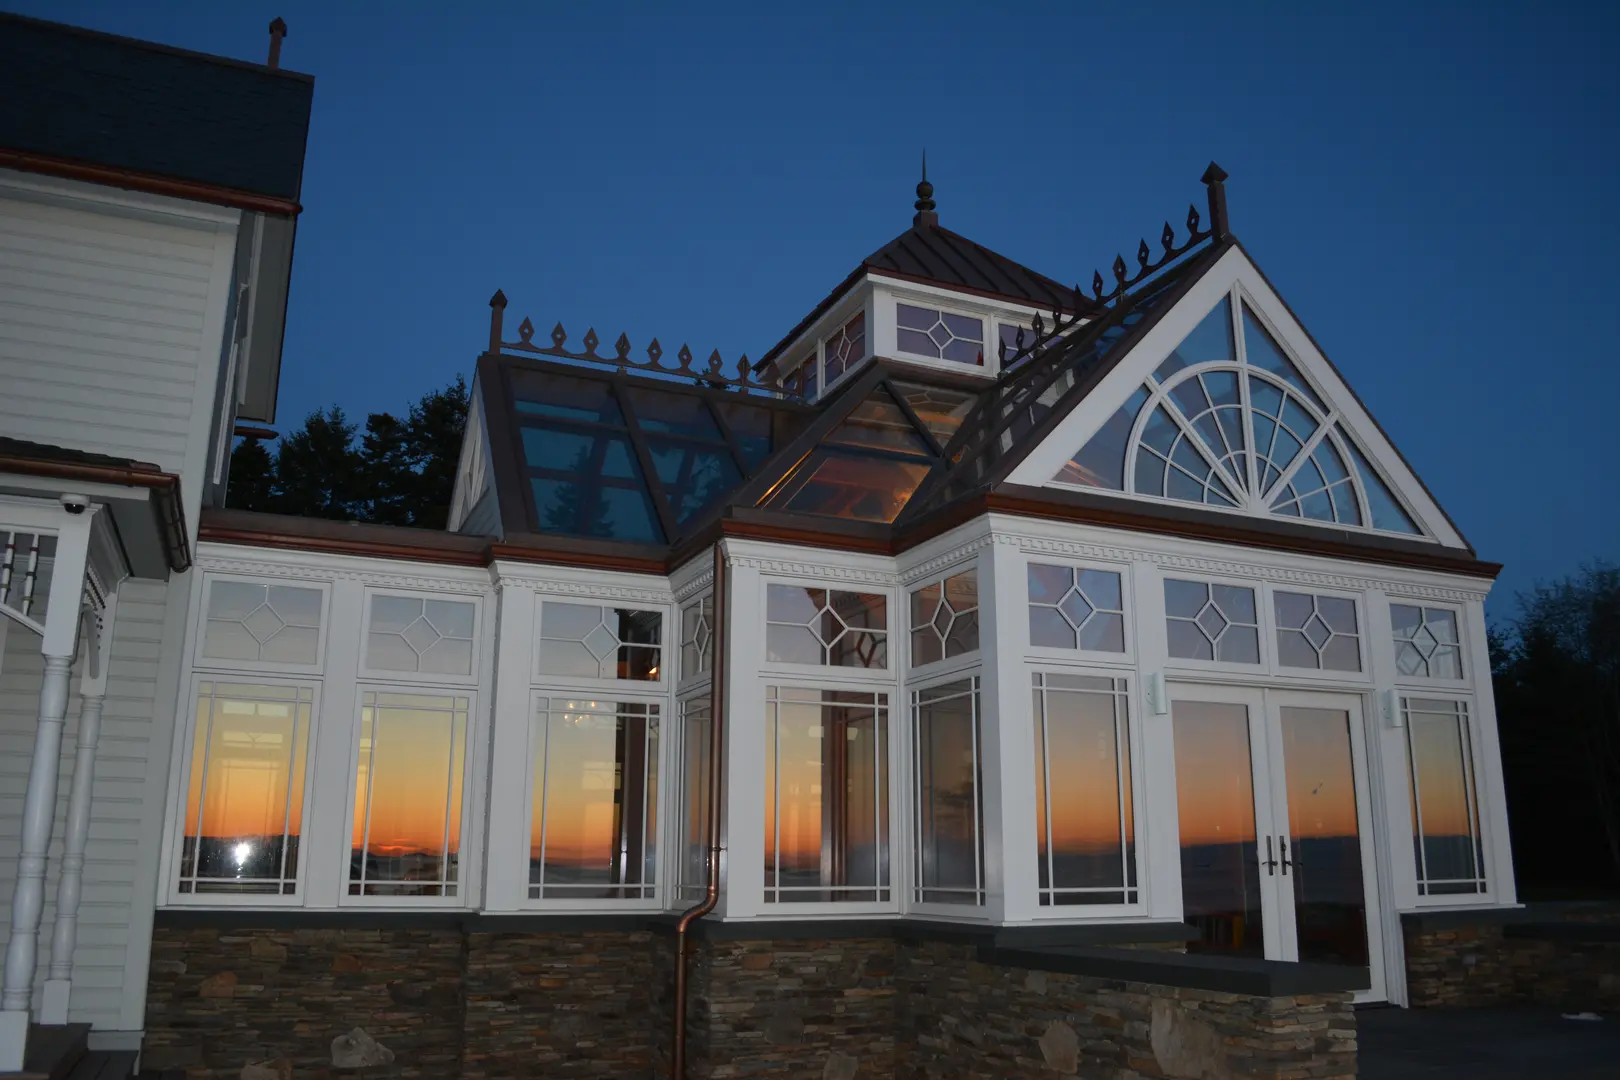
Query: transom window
(942, 335)
(1317, 632)
(593, 825)
(418, 635)
(408, 795)
(600, 642)
(827, 627)
(1446, 839)
(826, 796)
(1228, 420)
(1426, 641)
(272, 624)
(1071, 607)
(945, 618)
(1085, 820)
(1206, 621)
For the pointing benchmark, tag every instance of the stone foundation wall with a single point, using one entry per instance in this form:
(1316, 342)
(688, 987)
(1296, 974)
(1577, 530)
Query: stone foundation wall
(961, 1019)
(485, 1000)
(1452, 963)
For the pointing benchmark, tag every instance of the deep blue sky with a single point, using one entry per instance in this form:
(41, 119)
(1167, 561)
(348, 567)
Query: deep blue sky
(1435, 192)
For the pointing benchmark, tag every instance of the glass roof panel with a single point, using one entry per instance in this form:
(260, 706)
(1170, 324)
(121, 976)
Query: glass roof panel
(565, 398)
(751, 426)
(851, 486)
(693, 476)
(675, 414)
(879, 423)
(941, 411)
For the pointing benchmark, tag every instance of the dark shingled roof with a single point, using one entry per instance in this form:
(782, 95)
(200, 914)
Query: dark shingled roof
(935, 255)
(112, 101)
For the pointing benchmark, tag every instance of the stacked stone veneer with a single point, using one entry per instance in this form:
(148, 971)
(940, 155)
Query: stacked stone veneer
(966, 1020)
(464, 1001)
(1565, 957)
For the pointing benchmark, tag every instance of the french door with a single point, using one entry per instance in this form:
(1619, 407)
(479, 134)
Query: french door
(1276, 826)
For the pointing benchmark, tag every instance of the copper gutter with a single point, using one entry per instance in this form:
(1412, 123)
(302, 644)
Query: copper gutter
(717, 729)
(131, 180)
(165, 488)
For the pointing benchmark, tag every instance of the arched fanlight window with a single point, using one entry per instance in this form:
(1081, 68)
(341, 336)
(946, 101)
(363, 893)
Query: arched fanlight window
(1227, 420)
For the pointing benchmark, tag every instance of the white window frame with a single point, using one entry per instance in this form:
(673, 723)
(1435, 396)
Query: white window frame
(978, 912)
(798, 678)
(367, 674)
(832, 329)
(919, 674)
(672, 838)
(1048, 654)
(1134, 723)
(200, 662)
(466, 863)
(186, 734)
(660, 892)
(986, 318)
(685, 681)
(1402, 794)
(1418, 683)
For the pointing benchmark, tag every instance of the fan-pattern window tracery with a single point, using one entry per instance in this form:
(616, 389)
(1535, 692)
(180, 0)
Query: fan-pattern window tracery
(1228, 420)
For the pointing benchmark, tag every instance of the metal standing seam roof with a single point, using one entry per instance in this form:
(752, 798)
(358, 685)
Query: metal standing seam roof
(80, 96)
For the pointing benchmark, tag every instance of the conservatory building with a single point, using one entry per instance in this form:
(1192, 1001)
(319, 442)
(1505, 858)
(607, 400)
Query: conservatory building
(997, 610)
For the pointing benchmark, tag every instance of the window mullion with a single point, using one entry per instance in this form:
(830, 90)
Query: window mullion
(1192, 435)
(730, 436)
(911, 415)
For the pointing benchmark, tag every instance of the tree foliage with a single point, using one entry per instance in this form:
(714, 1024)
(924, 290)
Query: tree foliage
(1557, 682)
(396, 471)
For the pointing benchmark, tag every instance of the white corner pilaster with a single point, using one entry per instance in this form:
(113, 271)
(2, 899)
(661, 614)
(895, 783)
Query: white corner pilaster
(61, 630)
(742, 804)
(1157, 800)
(506, 859)
(69, 884)
(1488, 757)
(1009, 741)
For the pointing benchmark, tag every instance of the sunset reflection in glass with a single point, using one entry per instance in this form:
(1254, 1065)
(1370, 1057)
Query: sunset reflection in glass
(1220, 875)
(1446, 839)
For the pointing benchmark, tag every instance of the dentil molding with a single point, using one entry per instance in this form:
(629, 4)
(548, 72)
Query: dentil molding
(317, 574)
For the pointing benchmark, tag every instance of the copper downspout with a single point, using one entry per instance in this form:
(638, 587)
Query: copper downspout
(717, 728)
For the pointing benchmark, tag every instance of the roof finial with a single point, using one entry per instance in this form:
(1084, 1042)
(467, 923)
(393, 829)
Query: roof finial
(925, 198)
(278, 30)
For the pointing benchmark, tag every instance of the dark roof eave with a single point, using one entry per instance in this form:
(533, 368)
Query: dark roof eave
(150, 183)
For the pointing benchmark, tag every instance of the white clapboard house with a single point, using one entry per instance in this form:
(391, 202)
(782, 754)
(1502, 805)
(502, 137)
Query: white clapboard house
(979, 598)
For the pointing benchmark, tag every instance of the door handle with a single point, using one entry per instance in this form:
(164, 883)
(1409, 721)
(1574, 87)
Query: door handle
(1270, 861)
(1282, 842)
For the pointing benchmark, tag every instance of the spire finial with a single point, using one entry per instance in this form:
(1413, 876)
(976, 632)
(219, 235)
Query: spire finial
(925, 214)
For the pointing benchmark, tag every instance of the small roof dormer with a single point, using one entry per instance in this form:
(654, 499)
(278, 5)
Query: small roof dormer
(929, 297)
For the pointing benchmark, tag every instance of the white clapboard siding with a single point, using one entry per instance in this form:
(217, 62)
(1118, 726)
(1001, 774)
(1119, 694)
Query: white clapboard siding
(104, 321)
(119, 801)
(484, 517)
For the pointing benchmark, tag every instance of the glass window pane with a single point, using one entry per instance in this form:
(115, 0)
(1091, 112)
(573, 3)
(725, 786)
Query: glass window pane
(1264, 353)
(1239, 645)
(277, 624)
(697, 731)
(1387, 512)
(674, 414)
(1445, 811)
(1048, 583)
(1209, 342)
(1187, 642)
(593, 834)
(1220, 870)
(1087, 821)
(851, 487)
(949, 815)
(1184, 599)
(564, 397)
(941, 411)
(1048, 628)
(879, 423)
(245, 796)
(408, 795)
(826, 797)
(751, 427)
(693, 477)
(793, 603)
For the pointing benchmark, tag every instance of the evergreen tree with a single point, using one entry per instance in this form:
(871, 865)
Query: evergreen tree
(252, 476)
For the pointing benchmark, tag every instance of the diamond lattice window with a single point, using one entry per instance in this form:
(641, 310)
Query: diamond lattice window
(697, 638)
(1317, 632)
(1228, 420)
(414, 634)
(945, 619)
(826, 627)
(940, 334)
(1426, 641)
(275, 624)
(600, 642)
(844, 349)
(1205, 621)
(1071, 607)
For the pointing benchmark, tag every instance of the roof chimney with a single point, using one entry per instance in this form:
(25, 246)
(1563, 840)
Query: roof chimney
(278, 30)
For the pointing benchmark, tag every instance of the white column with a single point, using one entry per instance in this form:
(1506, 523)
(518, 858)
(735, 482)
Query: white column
(92, 692)
(506, 854)
(1008, 747)
(39, 804)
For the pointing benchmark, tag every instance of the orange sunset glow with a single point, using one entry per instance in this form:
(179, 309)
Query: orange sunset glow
(250, 756)
(408, 786)
(593, 760)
